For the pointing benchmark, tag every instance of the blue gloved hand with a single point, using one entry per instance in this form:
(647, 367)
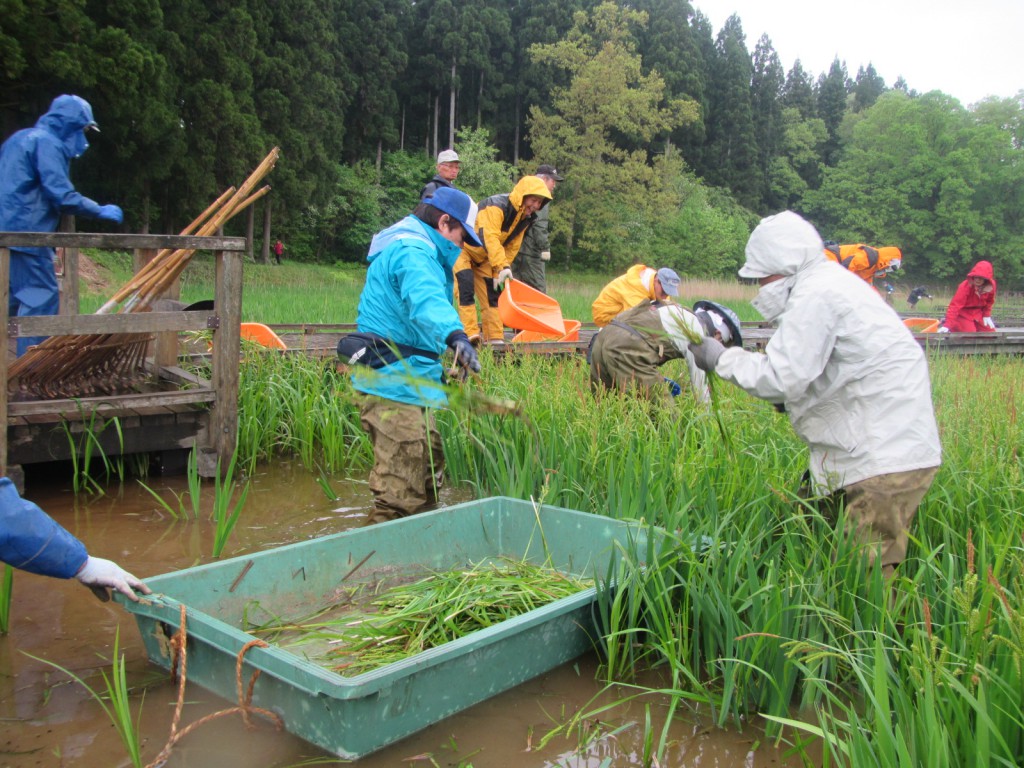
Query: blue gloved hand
(706, 353)
(673, 387)
(111, 213)
(465, 354)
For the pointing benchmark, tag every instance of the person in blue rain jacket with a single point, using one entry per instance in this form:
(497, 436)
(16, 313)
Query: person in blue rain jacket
(32, 541)
(35, 191)
(405, 322)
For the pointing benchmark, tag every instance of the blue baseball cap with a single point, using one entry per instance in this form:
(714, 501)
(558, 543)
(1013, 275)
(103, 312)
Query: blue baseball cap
(460, 207)
(669, 281)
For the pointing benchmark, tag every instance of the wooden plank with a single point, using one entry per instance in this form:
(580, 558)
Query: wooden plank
(120, 242)
(51, 441)
(129, 322)
(107, 405)
(181, 377)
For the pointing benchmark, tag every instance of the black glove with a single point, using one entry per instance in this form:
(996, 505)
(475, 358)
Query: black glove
(465, 354)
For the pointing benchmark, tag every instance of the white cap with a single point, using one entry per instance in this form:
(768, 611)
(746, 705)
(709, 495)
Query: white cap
(448, 156)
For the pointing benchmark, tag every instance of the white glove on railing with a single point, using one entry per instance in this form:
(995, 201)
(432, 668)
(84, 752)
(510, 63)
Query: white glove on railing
(504, 275)
(99, 575)
(987, 322)
(545, 255)
(943, 329)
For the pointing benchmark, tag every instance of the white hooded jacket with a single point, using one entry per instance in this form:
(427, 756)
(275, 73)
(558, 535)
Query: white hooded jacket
(853, 379)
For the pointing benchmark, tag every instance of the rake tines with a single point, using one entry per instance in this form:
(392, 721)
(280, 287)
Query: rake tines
(75, 366)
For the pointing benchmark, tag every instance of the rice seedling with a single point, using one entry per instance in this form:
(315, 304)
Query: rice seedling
(115, 703)
(758, 604)
(193, 495)
(225, 516)
(83, 438)
(367, 628)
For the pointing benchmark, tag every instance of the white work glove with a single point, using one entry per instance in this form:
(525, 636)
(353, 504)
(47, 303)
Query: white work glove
(504, 275)
(987, 322)
(545, 255)
(99, 575)
(943, 329)
(706, 353)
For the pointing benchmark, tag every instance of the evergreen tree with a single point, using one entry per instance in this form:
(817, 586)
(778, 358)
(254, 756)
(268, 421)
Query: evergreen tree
(867, 88)
(798, 92)
(731, 158)
(766, 102)
(375, 61)
(831, 96)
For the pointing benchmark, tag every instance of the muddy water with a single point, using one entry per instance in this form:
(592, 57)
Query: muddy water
(48, 720)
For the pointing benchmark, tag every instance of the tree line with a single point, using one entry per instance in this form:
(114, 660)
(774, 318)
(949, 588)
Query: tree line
(674, 138)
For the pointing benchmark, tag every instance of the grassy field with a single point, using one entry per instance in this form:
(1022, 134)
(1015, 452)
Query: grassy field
(755, 604)
(305, 293)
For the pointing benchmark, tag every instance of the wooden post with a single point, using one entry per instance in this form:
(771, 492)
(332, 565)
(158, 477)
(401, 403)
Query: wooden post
(165, 347)
(226, 347)
(68, 279)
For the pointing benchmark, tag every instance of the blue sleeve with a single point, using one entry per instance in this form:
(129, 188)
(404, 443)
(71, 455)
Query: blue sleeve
(57, 187)
(426, 296)
(33, 541)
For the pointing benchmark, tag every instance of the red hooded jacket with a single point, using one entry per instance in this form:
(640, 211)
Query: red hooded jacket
(969, 305)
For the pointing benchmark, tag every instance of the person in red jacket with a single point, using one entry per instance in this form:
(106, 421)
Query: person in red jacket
(971, 306)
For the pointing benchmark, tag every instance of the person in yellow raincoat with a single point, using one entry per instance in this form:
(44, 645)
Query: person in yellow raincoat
(626, 291)
(480, 272)
(865, 261)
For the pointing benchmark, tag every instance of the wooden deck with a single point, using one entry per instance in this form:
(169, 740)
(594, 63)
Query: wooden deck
(161, 415)
(322, 340)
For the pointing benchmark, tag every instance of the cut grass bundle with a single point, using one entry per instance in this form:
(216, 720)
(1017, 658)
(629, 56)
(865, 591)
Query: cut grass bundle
(408, 619)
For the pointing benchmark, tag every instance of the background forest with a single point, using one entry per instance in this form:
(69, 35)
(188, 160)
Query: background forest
(673, 138)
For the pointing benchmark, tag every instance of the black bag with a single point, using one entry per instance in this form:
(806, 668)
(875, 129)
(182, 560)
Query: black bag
(376, 351)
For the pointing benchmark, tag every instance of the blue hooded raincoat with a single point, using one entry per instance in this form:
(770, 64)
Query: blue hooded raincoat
(33, 541)
(407, 299)
(34, 192)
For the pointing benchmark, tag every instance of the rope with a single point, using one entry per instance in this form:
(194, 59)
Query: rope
(179, 657)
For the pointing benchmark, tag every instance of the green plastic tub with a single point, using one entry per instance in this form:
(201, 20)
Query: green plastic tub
(354, 716)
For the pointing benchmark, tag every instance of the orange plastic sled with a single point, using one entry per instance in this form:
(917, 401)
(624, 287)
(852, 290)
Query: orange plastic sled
(921, 324)
(572, 333)
(261, 334)
(527, 309)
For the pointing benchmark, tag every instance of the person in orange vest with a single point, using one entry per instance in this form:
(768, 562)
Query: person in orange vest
(865, 261)
(481, 270)
(970, 309)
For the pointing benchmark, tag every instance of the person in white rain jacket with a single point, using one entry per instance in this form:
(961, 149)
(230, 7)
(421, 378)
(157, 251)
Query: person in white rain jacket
(849, 374)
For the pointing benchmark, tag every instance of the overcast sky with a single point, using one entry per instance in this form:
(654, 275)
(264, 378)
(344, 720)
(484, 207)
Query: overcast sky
(969, 48)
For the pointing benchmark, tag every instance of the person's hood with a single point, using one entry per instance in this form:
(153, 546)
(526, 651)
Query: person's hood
(67, 119)
(528, 185)
(886, 254)
(412, 228)
(984, 269)
(782, 244)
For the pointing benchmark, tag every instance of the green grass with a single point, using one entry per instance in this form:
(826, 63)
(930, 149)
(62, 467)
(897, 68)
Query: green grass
(756, 604)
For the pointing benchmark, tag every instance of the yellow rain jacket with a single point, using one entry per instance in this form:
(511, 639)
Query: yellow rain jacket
(500, 224)
(624, 292)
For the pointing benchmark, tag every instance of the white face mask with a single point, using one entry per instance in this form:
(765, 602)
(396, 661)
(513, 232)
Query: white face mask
(771, 299)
